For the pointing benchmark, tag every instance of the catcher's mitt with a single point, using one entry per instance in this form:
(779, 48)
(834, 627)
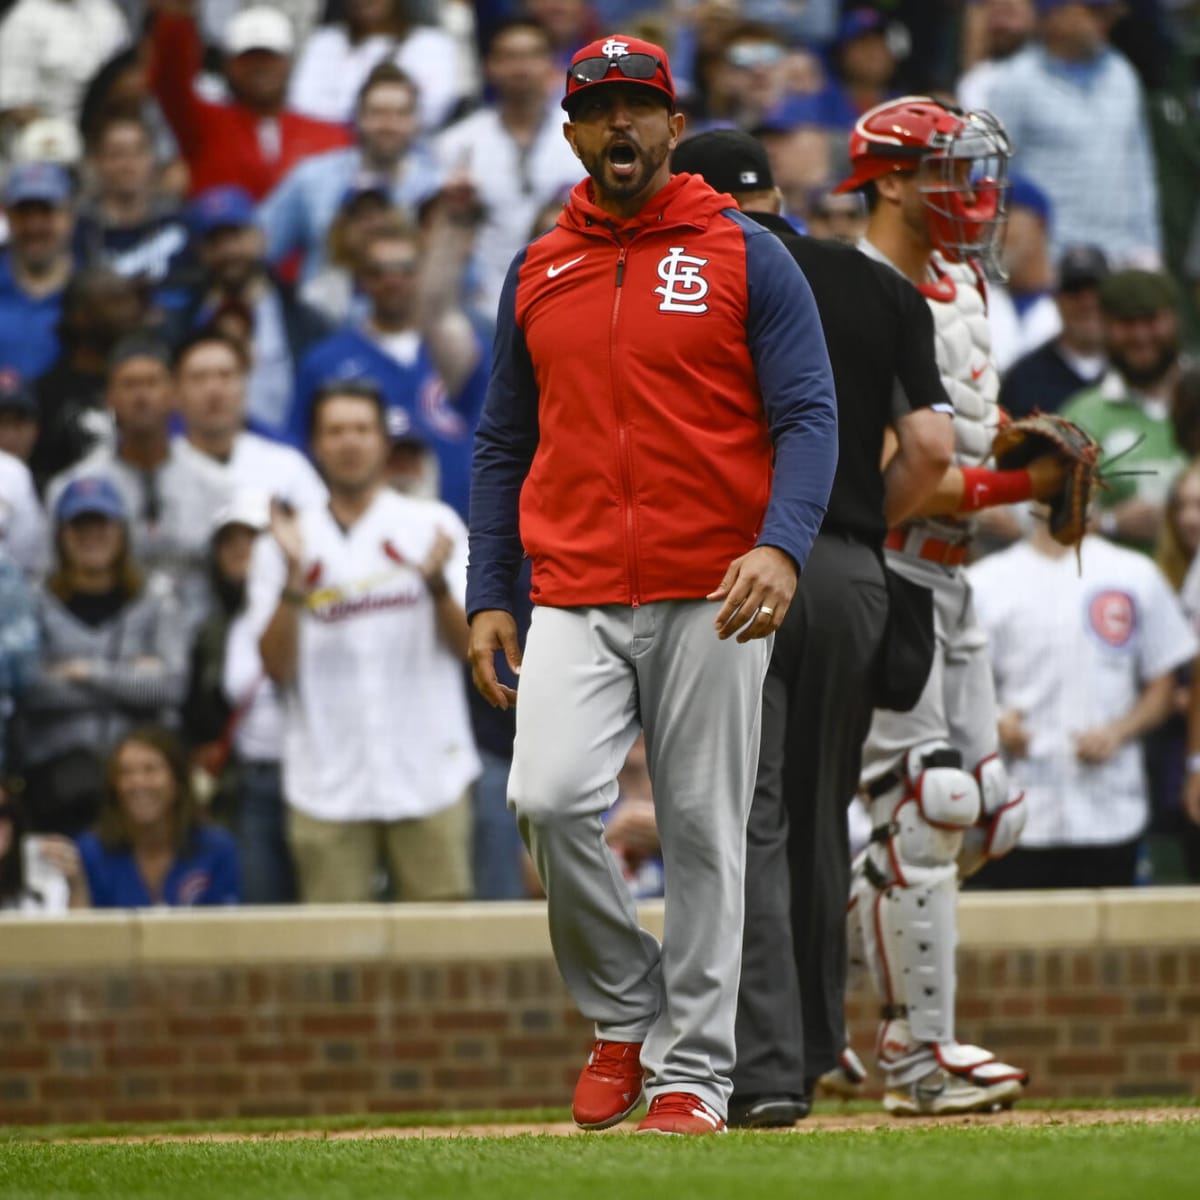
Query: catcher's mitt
(1018, 443)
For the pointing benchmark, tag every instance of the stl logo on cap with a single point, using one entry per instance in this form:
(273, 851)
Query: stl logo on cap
(614, 49)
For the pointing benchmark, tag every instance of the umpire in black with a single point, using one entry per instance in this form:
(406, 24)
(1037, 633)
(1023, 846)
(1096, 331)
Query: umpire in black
(819, 690)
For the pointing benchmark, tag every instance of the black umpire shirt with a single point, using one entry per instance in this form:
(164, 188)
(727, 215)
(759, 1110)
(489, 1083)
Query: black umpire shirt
(879, 332)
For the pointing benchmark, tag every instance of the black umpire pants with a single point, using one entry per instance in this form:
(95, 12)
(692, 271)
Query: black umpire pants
(817, 703)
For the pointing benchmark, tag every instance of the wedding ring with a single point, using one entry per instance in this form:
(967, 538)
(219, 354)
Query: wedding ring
(762, 608)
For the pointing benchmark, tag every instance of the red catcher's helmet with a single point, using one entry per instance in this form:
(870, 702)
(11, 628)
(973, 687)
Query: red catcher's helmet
(961, 159)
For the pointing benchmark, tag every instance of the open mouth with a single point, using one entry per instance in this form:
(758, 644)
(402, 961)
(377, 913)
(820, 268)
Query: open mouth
(623, 159)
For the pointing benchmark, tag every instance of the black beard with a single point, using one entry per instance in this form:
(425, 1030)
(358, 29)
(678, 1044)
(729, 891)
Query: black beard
(623, 188)
(1144, 377)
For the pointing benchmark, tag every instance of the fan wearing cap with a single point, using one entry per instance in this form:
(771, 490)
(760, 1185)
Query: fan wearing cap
(253, 140)
(35, 265)
(656, 351)
(18, 415)
(1049, 375)
(49, 49)
(791, 1008)
(237, 291)
(388, 157)
(113, 655)
(1129, 411)
(168, 497)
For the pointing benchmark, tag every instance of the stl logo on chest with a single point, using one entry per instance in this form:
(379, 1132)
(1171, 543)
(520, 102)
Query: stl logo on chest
(684, 287)
(1112, 617)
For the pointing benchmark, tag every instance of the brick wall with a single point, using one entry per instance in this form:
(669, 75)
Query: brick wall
(381, 1024)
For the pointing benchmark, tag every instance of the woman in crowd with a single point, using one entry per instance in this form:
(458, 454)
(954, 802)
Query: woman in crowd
(112, 655)
(150, 846)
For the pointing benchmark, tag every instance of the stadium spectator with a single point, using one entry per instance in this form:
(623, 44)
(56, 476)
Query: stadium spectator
(748, 79)
(34, 266)
(839, 218)
(343, 593)
(1075, 113)
(126, 221)
(337, 58)
(210, 394)
(1128, 412)
(121, 88)
(865, 60)
(334, 290)
(39, 873)
(799, 147)
(1084, 655)
(22, 524)
(388, 157)
(1185, 411)
(235, 285)
(253, 140)
(113, 654)
(18, 416)
(99, 309)
(49, 49)
(253, 737)
(1021, 310)
(418, 343)
(169, 499)
(151, 846)
(993, 31)
(1045, 378)
(511, 151)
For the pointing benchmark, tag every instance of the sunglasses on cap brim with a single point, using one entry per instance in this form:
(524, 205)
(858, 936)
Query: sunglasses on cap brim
(632, 66)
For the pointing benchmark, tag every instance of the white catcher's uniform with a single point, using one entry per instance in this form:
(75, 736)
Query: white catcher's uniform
(933, 773)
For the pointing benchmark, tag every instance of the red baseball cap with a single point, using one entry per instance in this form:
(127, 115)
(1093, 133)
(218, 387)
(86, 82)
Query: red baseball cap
(626, 59)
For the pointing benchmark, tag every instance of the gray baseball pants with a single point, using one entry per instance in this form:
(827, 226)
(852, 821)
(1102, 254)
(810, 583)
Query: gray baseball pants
(591, 677)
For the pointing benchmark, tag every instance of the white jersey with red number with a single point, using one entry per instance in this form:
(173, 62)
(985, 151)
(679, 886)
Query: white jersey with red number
(1072, 652)
(376, 725)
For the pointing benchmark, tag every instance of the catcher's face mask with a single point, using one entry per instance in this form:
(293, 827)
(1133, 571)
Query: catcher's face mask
(964, 184)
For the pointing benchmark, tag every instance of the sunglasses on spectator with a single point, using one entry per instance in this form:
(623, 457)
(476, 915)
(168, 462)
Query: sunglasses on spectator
(754, 54)
(632, 66)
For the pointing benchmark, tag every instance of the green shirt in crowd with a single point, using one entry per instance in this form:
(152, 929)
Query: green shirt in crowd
(1117, 418)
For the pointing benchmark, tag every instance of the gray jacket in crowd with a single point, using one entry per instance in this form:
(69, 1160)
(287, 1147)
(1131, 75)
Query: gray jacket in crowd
(138, 674)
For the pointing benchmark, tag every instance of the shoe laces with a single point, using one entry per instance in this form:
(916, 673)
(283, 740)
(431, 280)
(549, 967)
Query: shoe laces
(681, 1103)
(612, 1058)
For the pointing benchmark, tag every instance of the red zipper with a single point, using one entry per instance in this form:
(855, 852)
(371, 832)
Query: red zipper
(623, 443)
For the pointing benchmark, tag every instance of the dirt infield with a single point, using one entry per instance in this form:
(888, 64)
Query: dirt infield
(818, 1123)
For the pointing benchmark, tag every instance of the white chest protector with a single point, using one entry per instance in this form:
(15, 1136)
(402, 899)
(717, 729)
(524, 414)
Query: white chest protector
(963, 344)
(964, 357)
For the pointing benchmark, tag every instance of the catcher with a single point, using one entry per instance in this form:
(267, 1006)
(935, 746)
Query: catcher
(938, 795)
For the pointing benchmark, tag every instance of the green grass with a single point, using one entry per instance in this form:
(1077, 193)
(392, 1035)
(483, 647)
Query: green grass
(1119, 1162)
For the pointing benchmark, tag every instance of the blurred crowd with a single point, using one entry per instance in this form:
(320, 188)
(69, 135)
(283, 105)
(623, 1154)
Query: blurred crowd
(250, 257)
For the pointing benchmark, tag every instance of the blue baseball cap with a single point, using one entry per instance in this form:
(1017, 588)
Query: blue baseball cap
(1024, 193)
(800, 109)
(859, 22)
(222, 208)
(91, 495)
(37, 182)
(15, 392)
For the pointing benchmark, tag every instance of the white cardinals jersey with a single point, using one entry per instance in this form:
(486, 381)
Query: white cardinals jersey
(376, 725)
(1072, 652)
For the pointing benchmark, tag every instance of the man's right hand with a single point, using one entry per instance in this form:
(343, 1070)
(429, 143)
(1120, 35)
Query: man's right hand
(493, 629)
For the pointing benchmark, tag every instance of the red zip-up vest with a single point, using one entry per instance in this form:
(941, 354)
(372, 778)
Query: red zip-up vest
(653, 466)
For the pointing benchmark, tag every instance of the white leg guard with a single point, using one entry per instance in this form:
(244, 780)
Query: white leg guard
(1001, 821)
(903, 901)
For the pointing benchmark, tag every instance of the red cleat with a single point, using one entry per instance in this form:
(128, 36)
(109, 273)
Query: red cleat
(682, 1113)
(610, 1086)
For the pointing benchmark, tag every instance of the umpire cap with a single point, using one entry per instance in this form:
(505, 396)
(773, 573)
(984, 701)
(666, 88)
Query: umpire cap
(728, 159)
